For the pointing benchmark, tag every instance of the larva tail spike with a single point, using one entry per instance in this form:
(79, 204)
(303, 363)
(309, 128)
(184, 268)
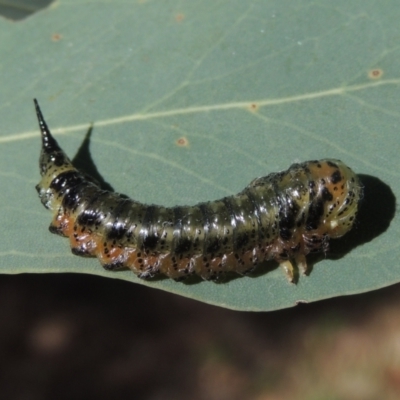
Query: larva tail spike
(50, 145)
(51, 155)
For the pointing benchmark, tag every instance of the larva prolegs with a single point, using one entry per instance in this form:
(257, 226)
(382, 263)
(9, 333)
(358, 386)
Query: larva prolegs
(290, 270)
(302, 264)
(293, 268)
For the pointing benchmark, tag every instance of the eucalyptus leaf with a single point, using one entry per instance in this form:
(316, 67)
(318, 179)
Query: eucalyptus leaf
(192, 100)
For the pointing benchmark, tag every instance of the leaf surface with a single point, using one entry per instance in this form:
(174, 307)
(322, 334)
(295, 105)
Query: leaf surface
(247, 87)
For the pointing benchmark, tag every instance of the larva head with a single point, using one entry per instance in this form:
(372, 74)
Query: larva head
(336, 191)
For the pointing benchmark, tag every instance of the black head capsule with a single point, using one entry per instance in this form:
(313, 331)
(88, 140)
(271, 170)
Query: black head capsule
(51, 154)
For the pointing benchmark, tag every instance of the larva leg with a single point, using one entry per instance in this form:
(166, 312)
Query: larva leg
(302, 265)
(290, 270)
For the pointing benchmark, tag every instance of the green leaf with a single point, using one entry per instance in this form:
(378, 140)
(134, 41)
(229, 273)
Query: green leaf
(253, 86)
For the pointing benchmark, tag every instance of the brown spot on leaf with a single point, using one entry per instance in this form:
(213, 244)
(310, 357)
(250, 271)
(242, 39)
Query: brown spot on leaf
(182, 142)
(375, 73)
(179, 17)
(253, 107)
(55, 37)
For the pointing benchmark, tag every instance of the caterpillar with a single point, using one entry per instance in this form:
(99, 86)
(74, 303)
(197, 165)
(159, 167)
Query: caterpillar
(283, 217)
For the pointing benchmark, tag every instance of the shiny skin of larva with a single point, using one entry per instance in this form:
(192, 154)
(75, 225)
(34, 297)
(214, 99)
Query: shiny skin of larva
(274, 228)
(175, 241)
(46, 194)
(205, 239)
(283, 216)
(174, 247)
(318, 200)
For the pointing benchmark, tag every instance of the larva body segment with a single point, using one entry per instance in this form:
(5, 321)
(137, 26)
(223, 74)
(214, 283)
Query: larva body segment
(283, 216)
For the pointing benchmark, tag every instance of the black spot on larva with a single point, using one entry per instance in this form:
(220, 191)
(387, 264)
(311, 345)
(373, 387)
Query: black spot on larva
(90, 217)
(58, 159)
(336, 177)
(212, 245)
(66, 180)
(56, 230)
(285, 233)
(183, 245)
(332, 164)
(287, 213)
(113, 266)
(204, 208)
(72, 196)
(326, 195)
(150, 242)
(241, 240)
(79, 251)
(315, 213)
(117, 231)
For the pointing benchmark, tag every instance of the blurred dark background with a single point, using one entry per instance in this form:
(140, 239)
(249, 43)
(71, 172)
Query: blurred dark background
(76, 336)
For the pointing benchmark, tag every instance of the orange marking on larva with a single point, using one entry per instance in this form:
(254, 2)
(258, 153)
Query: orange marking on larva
(106, 253)
(84, 243)
(173, 268)
(138, 262)
(321, 170)
(151, 260)
(375, 73)
(246, 263)
(229, 261)
(64, 224)
(131, 261)
(325, 172)
(168, 267)
(115, 253)
(179, 17)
